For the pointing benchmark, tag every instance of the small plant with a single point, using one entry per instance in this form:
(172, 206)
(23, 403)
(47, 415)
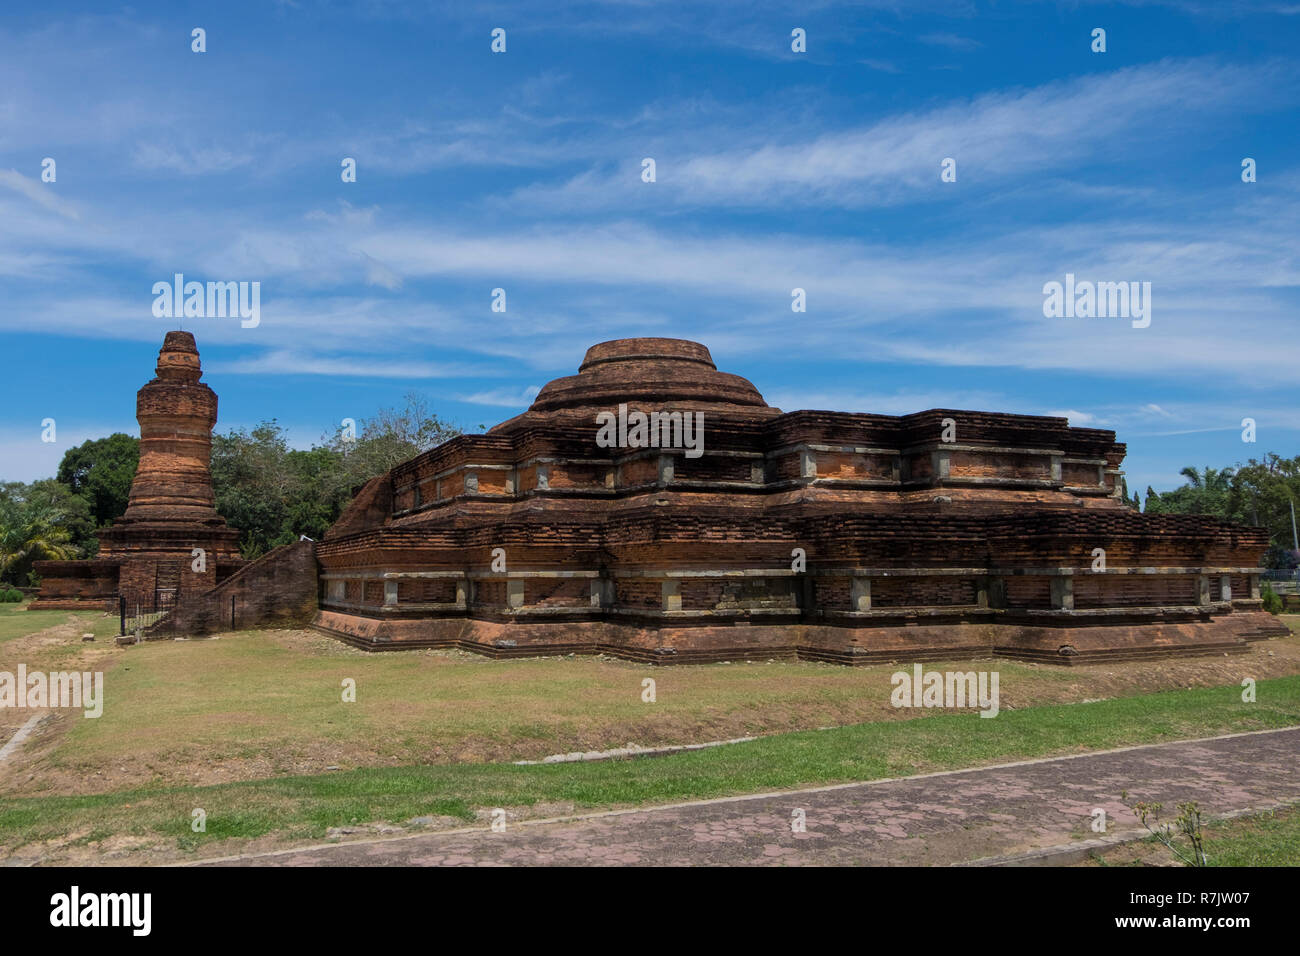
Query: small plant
(11, 596)
(1272, 602)
(1187, 823)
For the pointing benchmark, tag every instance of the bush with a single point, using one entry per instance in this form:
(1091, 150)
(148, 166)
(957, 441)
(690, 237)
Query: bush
(11, 596)
(1272, 603)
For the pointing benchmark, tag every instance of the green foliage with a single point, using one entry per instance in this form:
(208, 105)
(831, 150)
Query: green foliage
(39, 521)
(11, 596)
(1272, 602)
(269, 491)
(1258, 493)
(273, 493)
(101, 471)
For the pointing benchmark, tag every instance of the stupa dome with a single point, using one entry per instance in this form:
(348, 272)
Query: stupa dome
(650, 370)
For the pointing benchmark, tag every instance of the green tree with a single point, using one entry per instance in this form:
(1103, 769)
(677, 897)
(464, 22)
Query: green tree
(101, 471)
(392, 436)
(274, 494)
(1259, 493)
(254, 485)
(38, 522)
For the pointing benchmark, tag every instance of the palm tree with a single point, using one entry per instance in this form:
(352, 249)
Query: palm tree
(31, 532)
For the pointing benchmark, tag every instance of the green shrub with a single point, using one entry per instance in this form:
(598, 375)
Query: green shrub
(1272, 603)
(11, 596)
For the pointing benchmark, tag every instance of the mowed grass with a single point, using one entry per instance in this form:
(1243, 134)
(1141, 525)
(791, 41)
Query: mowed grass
(305, 806)
(1271, 839)
(275, 701)
(17, 621)
(264, 704)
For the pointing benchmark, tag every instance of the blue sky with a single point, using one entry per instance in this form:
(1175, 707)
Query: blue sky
(775, 170)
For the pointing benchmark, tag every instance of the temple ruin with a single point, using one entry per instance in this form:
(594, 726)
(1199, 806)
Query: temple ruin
(656, 509)
(821, 535)
(171, 542)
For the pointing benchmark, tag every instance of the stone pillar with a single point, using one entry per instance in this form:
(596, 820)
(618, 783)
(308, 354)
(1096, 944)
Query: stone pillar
(1202, 589)
(597, 592)
(515, 592)
(982, 592)
(471, 482)
(390, 593)
(672, 595)
(462, 593)
(666, 469)
(939, 465)
(543, 477)
(1254, 587)
(1063, 592)
(860, 594)
(1225, 587)
(807, 464)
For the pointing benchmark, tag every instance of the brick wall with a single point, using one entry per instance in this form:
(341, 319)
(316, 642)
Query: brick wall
(277, 590)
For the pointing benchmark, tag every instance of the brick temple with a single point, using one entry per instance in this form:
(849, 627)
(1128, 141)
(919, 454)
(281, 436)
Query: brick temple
(148, 553)
(823, 535)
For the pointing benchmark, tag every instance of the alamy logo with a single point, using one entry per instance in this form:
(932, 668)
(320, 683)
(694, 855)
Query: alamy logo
(946, 689)
(655, 430)
(1101, 300)
(55, 689)
(217, 300)
(103, 909)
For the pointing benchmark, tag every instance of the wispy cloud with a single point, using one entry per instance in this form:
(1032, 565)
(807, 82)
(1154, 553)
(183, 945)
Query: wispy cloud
(43, 194)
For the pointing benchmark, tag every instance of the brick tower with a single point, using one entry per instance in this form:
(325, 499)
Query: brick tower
(171, 510)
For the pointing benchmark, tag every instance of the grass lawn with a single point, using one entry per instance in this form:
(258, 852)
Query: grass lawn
(1272, 839)
(305, 806)
(261, 704)
(17, 621)
(1268, 839)
(246, 725)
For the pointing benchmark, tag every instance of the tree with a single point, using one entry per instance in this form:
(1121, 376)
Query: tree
(254, 486)
(391, 437)
(101, 471)
(273, 493)
(38, 522)
(1259, 493)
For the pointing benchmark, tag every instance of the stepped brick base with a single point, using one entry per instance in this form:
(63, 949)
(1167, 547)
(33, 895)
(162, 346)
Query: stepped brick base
(1064, 645)
(74, 604)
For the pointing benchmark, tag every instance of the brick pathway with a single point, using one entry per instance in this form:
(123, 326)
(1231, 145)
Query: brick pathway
(933, 819)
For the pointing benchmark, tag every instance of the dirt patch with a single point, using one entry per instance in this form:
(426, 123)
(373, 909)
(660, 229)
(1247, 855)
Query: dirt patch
(58, 647)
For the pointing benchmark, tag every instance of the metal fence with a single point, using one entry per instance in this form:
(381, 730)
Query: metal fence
(1282, 582)
(138, 611)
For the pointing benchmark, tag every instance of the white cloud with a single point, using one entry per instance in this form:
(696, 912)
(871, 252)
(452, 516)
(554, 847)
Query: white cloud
(994, 137)
(44, 194)
(503, 397)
